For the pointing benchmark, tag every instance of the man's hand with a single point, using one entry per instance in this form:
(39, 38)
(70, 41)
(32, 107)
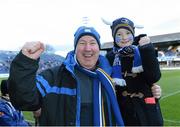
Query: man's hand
(37, 113)
(33, 50)
(156, 91)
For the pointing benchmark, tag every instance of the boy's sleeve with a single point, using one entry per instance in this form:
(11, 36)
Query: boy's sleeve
(150, 63)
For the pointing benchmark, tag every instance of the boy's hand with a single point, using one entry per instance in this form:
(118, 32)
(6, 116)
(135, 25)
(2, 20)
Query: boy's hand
(141, 39)
(144, 40)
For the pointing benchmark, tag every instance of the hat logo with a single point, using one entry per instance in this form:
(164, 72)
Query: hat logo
(125, 21)
(87, 30)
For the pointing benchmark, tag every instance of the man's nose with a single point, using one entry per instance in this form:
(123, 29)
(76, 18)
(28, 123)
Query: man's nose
(87, 46)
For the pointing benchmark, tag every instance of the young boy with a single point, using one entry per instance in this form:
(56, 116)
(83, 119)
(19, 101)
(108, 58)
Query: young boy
(135, 70)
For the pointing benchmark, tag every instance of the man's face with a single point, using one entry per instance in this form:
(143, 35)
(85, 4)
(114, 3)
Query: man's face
(123, 37)
(87, 52)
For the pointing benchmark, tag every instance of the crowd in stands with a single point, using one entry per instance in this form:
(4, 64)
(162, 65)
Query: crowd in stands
(47, 60)
(169, 53)
(169, 57)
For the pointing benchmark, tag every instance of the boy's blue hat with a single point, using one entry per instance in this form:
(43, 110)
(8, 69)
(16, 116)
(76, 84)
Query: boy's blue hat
(122, 23)
(84, 30)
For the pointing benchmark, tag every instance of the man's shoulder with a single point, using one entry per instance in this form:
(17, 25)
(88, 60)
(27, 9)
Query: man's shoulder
(52, 75)
(53, 70)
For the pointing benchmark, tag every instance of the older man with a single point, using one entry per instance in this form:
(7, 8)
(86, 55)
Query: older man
(79, 92)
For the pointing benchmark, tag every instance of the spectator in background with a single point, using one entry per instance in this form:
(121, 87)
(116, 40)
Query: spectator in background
(135, 70)
(79, 92)
(9, 116)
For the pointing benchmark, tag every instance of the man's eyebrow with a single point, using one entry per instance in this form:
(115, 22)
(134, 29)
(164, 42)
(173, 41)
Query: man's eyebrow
(82, 40)
(92, 40)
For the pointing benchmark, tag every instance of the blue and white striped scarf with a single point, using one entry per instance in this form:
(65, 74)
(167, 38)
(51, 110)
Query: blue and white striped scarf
(102, 79)
(128, 51)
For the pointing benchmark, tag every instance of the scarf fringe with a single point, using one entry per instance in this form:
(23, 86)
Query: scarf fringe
(119, 82)
(138, 69)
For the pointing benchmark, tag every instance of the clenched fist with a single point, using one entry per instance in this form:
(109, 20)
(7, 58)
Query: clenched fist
(33, 50)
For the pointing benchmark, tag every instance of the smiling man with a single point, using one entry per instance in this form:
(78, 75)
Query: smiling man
(79, 92)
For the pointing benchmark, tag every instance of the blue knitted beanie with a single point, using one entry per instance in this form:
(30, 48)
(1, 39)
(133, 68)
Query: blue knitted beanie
(122, 23)
(84, 30)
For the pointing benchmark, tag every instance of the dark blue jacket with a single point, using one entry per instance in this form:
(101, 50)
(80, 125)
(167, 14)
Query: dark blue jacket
(54, 90)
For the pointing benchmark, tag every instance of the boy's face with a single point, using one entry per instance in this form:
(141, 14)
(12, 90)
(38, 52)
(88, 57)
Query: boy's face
(123, 37)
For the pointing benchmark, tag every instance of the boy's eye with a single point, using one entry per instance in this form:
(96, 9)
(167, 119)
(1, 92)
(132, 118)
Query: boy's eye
(128, 32)
(118, 34)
